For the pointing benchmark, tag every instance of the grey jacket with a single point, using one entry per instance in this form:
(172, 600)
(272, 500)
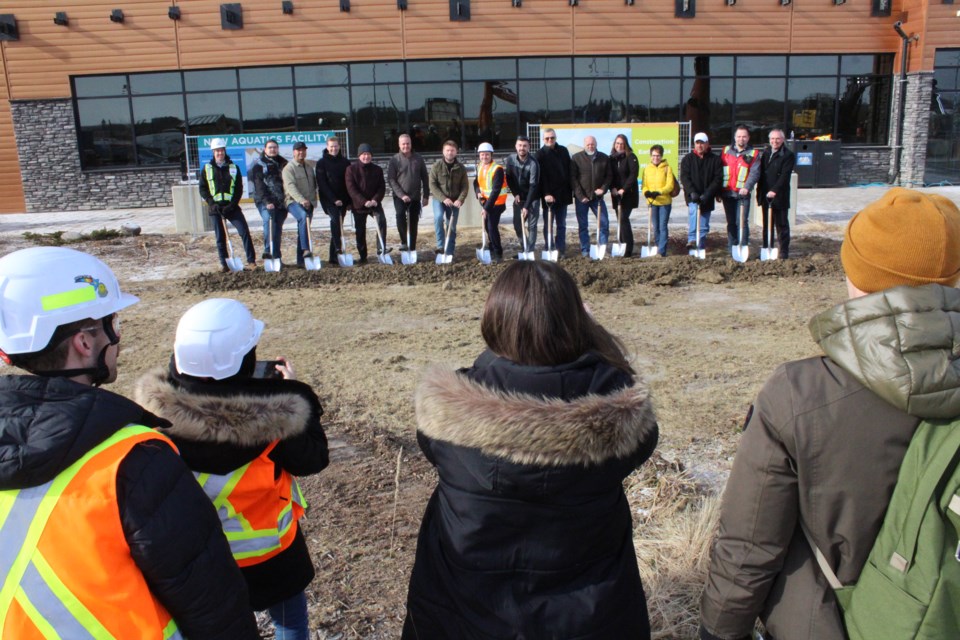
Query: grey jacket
(408, 176)
(823, 446)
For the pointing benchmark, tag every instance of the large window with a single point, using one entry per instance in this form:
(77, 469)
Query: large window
(140, 119)
(943, 143)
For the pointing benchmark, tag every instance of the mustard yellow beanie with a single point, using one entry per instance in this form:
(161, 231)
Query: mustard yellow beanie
(905, 237)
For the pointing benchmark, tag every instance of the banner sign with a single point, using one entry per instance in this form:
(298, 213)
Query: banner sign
(244, 148)
(642, 136)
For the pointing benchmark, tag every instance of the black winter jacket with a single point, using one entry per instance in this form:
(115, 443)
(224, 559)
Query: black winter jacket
(701, 177)
(221, 426)
(589, 173)
(266, 176)
(174, 535)
(775, 173)
(221, 180)
(625, 169)
(555, 174)
(529, 533)
(332, 181)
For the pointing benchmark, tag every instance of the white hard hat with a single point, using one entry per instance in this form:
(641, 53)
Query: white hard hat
(218, 143)
(213, 337)
(485, 146)
(42, 288)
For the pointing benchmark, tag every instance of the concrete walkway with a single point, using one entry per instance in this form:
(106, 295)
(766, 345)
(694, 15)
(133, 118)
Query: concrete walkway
(814, 205)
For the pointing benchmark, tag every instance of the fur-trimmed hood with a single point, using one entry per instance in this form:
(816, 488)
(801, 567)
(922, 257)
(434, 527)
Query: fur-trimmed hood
(527, 429)
(261, 412)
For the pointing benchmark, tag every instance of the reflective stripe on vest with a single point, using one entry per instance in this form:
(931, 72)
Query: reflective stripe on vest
(212, 185)
(31, 585)
(252, 543)
(743, 162)
(485, 180)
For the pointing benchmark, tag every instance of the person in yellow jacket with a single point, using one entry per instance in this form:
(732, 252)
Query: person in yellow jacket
(246, 434)
(103, 531)
(659, 184)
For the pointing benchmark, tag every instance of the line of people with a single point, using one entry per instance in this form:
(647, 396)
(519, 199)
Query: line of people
(548, 181)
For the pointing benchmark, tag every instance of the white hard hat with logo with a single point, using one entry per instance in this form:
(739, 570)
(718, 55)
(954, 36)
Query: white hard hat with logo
(213, 337)
(218, 143)
(42, 288)
(485, 146)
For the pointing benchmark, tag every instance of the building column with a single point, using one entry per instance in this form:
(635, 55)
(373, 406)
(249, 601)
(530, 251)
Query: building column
(916, 128)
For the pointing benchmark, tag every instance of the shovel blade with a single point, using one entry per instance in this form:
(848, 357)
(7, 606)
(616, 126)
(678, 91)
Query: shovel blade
(272, 265)
(549, 256)
(408, 257)
(740, 252)
(234, 264)
(597, 252)
(649, 252)
(774, 254)
(529, 256)
(312, 264)
(345, 259)
(384, 259)
(483, 255)
(618, 249)
(765, 254)
(698, 253)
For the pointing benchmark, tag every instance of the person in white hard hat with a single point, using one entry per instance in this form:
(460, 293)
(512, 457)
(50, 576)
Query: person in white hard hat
(245, 437)
(104, 531)
(490, 185)
(221, 187)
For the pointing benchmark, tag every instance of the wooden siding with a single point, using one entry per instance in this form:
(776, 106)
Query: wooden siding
(11, 188)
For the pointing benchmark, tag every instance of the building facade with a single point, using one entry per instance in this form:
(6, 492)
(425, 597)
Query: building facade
(98, 96)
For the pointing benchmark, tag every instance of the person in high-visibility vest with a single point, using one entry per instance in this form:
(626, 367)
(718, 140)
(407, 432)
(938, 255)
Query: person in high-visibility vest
(221, 187)
(741, 171)
(245, 433)
(103, 532)
(491, 189)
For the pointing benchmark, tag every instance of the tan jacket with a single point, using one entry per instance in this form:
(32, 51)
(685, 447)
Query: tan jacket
(823, 446)
(300, 182)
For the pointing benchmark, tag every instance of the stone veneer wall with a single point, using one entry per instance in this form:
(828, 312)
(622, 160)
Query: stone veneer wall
(916, 128)
(864, 165)
(50, 166)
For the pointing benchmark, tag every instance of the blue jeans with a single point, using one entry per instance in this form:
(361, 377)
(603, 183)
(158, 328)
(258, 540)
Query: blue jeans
(273, 231)
(290, 618)
(559, 220)
(731, 207)
(692, 210)
(599, 208)
(441, 211)
(660, 218)
(303, 218)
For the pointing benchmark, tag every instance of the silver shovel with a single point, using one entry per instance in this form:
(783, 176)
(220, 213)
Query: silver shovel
(272, 265)
(410, 255)
(741, 252)
(550, 252)
(597, 251)
(443, 258)
(526, 254)
(618, 249)
(770, 253)
(483, 254)
(344, 258)
(382, 256)
(697, 252)
(313, 262)
(650, 250)
(234, 264)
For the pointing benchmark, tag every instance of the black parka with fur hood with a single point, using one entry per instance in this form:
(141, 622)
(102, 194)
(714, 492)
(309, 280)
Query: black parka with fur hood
(529, 533)
(220, 426)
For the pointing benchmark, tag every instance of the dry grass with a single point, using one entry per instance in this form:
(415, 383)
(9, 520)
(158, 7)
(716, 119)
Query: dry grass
(676, 519)
(808, 225)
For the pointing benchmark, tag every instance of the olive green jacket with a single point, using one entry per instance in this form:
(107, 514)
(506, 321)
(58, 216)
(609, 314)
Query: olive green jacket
(823, 446)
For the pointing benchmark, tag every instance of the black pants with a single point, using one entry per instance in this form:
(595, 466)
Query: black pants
(336, 215)
(625, 232)
(781, 221)
(360, 219)
(403, 209)
(236, 218)
(493, 230)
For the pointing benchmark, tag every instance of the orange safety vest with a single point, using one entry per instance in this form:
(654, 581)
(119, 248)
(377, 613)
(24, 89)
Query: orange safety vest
(485, 181)
(258, 510)
(735, 180)
(65, 564)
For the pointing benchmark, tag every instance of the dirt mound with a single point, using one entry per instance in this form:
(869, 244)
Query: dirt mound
(814, 256)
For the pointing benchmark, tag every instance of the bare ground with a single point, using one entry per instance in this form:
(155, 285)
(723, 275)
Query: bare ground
(704, 333)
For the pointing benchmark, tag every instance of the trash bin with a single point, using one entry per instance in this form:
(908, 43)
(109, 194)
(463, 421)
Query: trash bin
(818, 162)
(806, 167)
